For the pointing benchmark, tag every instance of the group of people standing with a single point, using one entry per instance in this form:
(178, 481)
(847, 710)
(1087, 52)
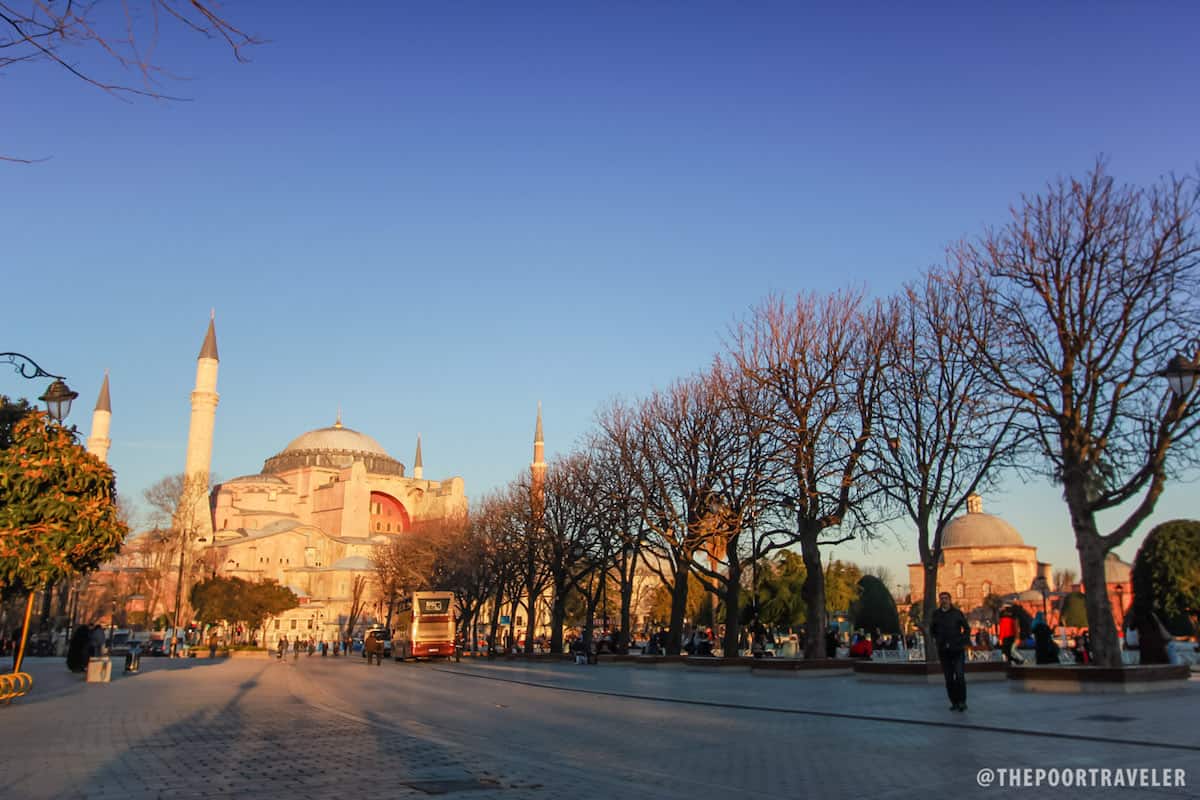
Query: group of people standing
(312, 647)
(87, 642)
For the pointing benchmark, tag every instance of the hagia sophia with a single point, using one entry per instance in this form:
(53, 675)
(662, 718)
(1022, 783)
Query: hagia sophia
(309, 519)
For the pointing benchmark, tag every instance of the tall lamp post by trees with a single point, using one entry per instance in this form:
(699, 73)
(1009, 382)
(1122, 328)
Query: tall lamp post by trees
(1040, 585)
(57, 397)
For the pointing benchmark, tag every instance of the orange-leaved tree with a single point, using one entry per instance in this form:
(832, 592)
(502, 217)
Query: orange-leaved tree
(58, 510)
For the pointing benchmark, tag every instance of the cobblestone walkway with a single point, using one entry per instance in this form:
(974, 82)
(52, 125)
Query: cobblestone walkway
(337, 728)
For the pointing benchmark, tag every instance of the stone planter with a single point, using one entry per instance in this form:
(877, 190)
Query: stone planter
(1072, 679)
(643, 661)
(923, 672)
(244, 653)
(800, 667)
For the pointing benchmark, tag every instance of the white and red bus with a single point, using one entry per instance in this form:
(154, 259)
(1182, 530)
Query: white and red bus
(425, 626)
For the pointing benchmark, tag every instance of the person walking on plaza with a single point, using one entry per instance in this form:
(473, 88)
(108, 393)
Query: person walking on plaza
(77, 653)
(952, 633)
(282, 647)
(96, 641)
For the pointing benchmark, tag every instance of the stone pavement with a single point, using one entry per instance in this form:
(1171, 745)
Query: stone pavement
(338, 728)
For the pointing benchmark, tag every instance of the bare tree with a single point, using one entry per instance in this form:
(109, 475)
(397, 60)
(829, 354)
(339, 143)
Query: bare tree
(1093, 287)
(110, 46)
(676, 452)
(619, 518)
(744, 492)
(418, 560)
(358, 601)
(496, 528)
(946, 431)
(1064, 580)
(570, 524)
(177, 504)
(820, 360)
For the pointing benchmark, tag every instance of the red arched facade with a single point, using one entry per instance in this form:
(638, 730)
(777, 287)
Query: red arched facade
(388, 514)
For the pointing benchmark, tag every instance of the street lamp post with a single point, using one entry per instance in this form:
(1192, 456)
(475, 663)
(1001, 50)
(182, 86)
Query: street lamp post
(1040, 585)
(58, 397)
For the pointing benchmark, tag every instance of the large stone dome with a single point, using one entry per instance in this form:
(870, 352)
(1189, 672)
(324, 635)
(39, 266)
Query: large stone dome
(977, 529)
(336, 446)
(335, 437)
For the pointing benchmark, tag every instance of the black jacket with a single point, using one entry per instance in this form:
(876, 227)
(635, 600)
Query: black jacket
(950, 629)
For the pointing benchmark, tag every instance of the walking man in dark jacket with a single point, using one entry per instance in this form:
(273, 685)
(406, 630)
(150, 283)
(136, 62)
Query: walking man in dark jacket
(951, 632)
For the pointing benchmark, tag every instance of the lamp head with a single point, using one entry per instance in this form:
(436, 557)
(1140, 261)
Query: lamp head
(58, 399)
(1181, 374)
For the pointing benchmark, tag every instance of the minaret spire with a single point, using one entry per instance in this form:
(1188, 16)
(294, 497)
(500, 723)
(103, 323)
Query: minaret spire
(98, 443)
(195, 514)
(418, 467)
(209, 348)
(538, 438)
(537, 470)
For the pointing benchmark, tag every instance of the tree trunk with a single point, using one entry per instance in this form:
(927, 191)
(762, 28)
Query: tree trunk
(558, 615)
(512, 627)
(19, 651)
(733, 602)
(679, 596)
(531, 596)
(626, 612)
(813, 593)
(928, 604)
(494, 626)
(1106, 644)
(589, 624)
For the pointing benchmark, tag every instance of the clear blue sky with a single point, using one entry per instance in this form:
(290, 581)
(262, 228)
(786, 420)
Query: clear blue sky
(435, 215)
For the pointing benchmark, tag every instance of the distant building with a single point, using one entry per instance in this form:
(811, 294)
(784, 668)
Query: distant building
(981, 555)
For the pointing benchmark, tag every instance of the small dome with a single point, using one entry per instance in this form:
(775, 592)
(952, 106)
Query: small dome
(337, 438)
(977, 529)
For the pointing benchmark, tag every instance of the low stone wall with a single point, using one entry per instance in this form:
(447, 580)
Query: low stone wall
(1070, 679)
(800, 667)
(924, 672)
(642, 661)
(227, 653)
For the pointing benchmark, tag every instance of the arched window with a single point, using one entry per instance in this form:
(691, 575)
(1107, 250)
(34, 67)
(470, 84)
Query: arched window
(958, 569)
(960, 591)
(987, 588)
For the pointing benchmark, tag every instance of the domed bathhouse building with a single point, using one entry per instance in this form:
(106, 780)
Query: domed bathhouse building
(311, 519)
(982, 554)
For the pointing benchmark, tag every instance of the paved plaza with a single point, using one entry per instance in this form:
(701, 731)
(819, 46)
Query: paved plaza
(325, 727)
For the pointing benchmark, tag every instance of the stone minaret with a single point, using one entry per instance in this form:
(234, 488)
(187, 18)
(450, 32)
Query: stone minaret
(195, 513)
(418, 467)
(98, 443)
(537, 470)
